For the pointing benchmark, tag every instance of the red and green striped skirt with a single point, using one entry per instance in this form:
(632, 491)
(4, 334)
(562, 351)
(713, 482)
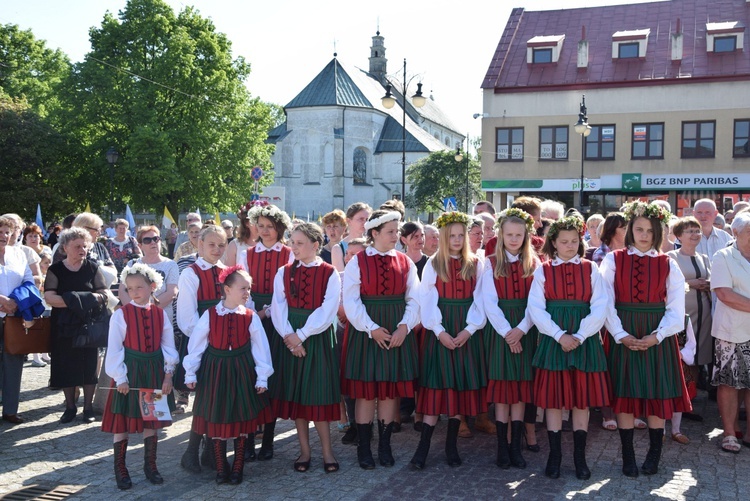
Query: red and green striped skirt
(226, 402)
(577, 379)
(453, 382)
(511, 375)
(122, 413)
(182, 348)
(651, 382)
(371, 372)
(309, 387)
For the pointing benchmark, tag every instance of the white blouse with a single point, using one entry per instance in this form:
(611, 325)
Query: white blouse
(187, 299)
(673, 320)
(730, 270)
(590, 325)
(258, 346)
(495, 315)
(258, 248)
(14, 272)
(319, 320)
(114, 363)
(355, 309)
(432, 318)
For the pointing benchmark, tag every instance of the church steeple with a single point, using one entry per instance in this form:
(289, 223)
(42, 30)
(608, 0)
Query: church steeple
(378, 62)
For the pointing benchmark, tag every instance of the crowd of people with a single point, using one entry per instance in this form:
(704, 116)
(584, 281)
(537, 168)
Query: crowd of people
(369, 322)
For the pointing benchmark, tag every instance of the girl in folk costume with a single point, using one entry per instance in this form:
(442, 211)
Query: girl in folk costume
(230, 348)
(568, 303)
(305, 303)
(199, 290)
(649, 293)
(247, 235)
(510, 337)
(452, 378)
(380, 361)
(141, 354)
(262, 261)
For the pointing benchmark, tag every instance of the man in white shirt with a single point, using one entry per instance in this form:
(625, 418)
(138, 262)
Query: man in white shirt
(705, 212)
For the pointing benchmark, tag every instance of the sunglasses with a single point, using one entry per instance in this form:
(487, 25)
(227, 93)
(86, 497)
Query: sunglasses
(97, 230)
(150, 240)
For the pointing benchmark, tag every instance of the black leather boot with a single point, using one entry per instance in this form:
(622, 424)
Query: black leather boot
(189, 459)
(219, 449)
(629, 467)
(420, 456)
(651, 464)
(266, 446)
(517, 429)
(207, 456)
(385, 455)
(364, 454)
(555, 454)
(250, 448)
(238, 466)
(579, 455)
(503, 450)
(149, 460)
(121, 471)
(451, 448)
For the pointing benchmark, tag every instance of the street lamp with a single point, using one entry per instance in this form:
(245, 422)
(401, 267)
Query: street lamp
(418, 100)
(112, 158)
(583, 128)
(459, 158)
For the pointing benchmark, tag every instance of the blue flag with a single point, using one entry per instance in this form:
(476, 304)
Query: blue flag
(39, 221)
(129, 218)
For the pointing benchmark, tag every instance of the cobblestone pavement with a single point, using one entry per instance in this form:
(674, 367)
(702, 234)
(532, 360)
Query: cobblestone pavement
(43, 451)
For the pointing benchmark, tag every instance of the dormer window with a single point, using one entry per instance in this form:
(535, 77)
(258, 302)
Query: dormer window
(725, 37)
(627, 50)
(630, 44)
(544, 49)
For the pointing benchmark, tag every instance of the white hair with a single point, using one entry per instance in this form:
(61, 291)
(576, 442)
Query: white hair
(705, 201)
(741, 222)
(552, 209)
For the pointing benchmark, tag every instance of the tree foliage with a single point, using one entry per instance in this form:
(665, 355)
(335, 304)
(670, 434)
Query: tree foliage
(438, 176)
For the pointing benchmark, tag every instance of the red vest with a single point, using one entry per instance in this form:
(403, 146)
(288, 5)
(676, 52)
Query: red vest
(230, 330)
(262, 267)
(640, 279)
(514, 286)
(209, 288)
(383, 275)
(568, 281)
(456, 287)
(305, 287)
(144, 327)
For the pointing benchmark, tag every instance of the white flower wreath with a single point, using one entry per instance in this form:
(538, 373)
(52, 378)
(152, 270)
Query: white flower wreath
(270, 212)
(385, 218)
(150, 274)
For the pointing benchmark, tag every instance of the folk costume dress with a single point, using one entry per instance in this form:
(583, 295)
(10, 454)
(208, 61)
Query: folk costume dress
(231, 350)
(649, 293)
(380, 290)
(569, 297)
(452, 382)
(510, 375)
(305, 302)
(140, 350)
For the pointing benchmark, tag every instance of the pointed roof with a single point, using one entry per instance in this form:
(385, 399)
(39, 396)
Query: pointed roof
(331, 87)
(391, 137)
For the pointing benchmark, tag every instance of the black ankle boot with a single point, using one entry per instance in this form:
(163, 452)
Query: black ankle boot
(122, 477)
(385, 455)
(517, 429)
(420, 456)
(189, 459)
(238, 466)
(451, 449)
(503, 451)
(651, 464)
(250, 448)
(207, 456)
(266, 446)
(579, 455)
(629, 467)
(555, 454)
(219, 449)
(149, 461)
(364, 454)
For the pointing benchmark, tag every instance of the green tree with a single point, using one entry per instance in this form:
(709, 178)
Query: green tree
(438, 176)
(165, 91)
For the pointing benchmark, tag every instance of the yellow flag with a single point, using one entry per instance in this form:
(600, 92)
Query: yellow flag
(88, 207)
(218, 218)
(167, 220)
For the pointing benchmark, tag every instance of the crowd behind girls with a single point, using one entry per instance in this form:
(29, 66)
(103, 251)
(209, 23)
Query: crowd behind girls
(365, 323)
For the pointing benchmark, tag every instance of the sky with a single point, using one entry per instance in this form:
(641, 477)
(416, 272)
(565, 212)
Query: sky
(448, 45)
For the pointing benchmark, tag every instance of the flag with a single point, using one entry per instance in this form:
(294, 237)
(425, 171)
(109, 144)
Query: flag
(88, 207)
(39, 222)
(167, 219)
(218, 218)
(129, 217)
(198, 211)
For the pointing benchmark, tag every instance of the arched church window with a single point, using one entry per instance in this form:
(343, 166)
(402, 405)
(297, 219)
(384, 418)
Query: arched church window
(360, 166)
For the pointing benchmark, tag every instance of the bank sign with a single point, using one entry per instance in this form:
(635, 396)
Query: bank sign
(636, 182)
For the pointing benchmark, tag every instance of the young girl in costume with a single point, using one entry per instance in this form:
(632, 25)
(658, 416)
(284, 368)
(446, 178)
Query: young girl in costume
(305, 302)
(510, 338)
(140, 354)
(380, 362)
(452, 378)
(230, 348)
(644, 361)
(568, 303)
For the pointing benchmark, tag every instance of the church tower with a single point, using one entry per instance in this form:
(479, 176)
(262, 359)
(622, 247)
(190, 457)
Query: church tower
(378, 61)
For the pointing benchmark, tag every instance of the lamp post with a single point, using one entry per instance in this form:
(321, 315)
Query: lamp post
(583, 128)
(112, 158)
(459, 158)
(418, 100)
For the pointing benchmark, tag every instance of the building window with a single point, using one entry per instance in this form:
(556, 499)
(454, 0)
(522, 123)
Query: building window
(360, 166)
(542, 56)
(553, 143)
(698, 139)
(648, 141)
(627, 50)
(509, 144)
(725, 44)
(742, 138)
(600, 144)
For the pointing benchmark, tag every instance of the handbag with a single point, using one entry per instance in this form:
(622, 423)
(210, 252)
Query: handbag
(94, 333)
(18, 340)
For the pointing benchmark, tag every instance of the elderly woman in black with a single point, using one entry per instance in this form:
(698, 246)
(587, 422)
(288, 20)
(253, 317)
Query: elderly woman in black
(71, 366)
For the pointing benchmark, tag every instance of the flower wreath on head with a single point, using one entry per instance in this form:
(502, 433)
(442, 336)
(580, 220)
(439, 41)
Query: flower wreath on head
(270, 212)
(637, 208)
(520, 214)
(385, 218)
(245, 210)
(224, 273)
(566, 223)
(147, 272)
(447, 218)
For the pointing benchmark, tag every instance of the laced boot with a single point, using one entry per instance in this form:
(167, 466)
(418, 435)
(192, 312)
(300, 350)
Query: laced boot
(451, 448)
(238, 466)
(517, 430)
(651, 464)
(555, 454)
(149, 460)
(121, 471)
(503, 451)
(385, 455)
(629, 467)
(420, 456)
(364, 454)
(579, 455)
(219, 449)
(189, 459)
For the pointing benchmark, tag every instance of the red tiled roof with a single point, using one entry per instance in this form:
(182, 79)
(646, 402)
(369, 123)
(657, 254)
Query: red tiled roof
(509, 71)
